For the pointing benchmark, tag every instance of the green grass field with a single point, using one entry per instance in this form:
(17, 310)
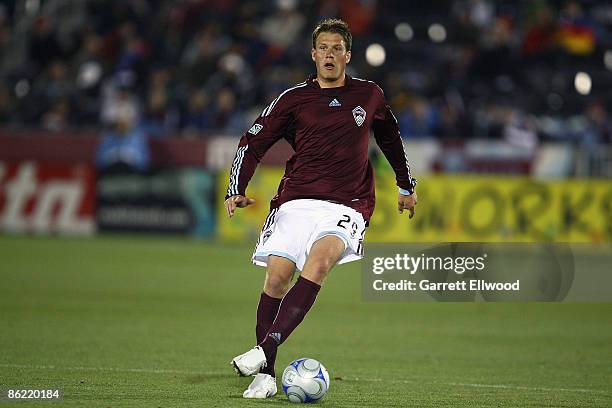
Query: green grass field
(152, 322)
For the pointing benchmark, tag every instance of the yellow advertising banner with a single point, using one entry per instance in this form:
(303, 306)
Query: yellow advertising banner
(460, 208)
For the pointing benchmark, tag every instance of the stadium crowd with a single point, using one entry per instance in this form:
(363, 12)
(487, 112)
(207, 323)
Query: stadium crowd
(525, 71)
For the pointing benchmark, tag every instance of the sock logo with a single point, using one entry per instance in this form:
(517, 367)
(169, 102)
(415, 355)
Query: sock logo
(276, 337)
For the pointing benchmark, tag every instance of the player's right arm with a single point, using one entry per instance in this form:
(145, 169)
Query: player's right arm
(266, 130)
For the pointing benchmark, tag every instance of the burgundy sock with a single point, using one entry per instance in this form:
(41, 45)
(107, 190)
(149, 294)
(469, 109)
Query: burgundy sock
(266, 312)
(296, 303)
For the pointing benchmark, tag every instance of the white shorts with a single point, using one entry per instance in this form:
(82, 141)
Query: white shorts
(292, 229)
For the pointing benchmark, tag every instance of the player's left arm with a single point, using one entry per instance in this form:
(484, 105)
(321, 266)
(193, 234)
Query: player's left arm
(387, 135)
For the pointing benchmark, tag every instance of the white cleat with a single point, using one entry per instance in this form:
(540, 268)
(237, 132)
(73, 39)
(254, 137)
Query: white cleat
(250, 362)
(262, 386)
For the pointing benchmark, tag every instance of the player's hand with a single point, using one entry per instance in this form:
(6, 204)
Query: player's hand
(237, 201)
(405, 202)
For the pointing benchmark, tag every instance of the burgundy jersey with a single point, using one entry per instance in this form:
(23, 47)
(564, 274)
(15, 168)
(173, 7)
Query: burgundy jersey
(329, 129)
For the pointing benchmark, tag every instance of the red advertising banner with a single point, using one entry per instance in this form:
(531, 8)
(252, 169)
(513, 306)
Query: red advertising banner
(47, 198)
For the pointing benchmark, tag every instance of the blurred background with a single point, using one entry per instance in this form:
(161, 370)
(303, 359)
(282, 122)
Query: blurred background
(124, 116)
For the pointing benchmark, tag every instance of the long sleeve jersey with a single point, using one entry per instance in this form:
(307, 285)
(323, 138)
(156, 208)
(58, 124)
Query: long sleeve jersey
(329, 130)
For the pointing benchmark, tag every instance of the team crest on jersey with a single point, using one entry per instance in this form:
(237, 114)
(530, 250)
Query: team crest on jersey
(255, 129)
(359, 114)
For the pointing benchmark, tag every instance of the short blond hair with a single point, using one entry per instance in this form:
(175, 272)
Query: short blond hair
(333, 25)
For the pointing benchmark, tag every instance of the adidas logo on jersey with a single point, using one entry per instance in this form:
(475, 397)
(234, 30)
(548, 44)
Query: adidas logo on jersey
(255, 129)
(334, 103)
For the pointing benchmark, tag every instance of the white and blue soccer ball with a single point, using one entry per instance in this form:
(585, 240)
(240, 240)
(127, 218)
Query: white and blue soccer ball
(305, 380)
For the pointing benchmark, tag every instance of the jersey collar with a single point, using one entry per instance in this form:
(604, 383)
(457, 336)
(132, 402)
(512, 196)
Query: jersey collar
(312, 81)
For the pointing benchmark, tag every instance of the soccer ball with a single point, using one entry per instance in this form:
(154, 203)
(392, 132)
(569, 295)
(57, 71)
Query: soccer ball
(305, 380)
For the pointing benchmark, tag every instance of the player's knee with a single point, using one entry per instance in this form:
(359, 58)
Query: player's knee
(276, 285)
(319, 267)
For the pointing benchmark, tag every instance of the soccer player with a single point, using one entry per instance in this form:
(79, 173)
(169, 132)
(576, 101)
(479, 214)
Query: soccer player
(326, 196)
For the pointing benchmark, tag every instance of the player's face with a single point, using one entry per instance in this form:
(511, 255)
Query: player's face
(330, 57)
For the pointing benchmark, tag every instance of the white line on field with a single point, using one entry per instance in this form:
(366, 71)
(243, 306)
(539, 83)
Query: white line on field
(477, 385)
(115, 369)
(393, 381)
(522, 387)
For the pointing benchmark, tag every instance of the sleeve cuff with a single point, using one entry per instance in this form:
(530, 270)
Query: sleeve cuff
(405, 192)
(409, 191)
(228, 195)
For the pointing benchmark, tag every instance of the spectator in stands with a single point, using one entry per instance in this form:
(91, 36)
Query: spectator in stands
(5, 32)
(57, 85)
(421, 119)
(118, 96)
(88, 70)
(520, 131)
(541, 30)
(124, 146)
(232, 73)
(199, 115)
(282, 29)
(5, 104)
(57, 117)
(576, 32)
(44, 45)
(227, 117)
(358, 14)
(201, 54)
(596, 126)
(161, 117)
